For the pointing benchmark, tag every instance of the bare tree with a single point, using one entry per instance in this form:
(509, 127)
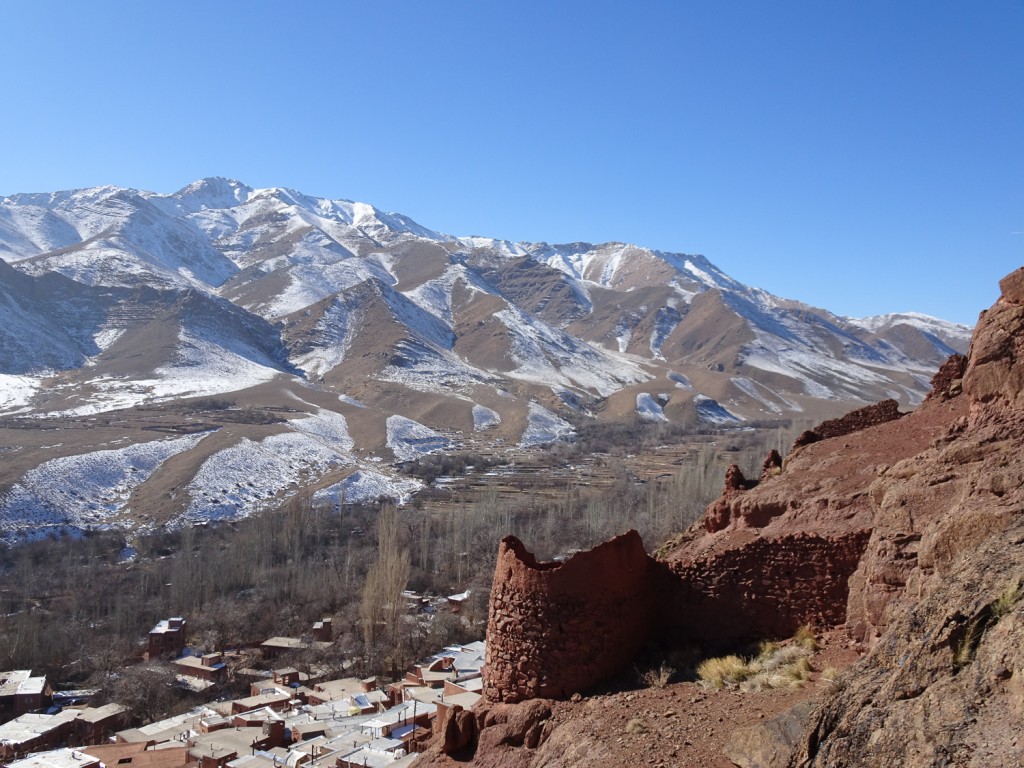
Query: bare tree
(383, 607)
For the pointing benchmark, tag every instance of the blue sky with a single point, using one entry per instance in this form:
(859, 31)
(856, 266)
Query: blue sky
(861, 155)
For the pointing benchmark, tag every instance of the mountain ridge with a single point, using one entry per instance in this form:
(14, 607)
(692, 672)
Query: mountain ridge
(284, 298)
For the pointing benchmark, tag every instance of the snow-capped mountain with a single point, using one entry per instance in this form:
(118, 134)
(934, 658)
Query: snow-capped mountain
(281, 311)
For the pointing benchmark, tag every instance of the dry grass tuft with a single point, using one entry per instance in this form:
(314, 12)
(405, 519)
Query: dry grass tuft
(1009, 597)
(657, 677)
(805, 637)
(776, 666)
(830, 674)
(636, 726)
(723, 671)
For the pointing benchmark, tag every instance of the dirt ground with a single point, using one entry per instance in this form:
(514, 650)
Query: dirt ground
(683, 724)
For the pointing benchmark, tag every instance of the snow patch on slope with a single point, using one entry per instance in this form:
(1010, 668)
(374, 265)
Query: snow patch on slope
(752, 389)
(550, 356)
(484, 418)
(333, 338)
(86, 490)
(409, 439)
(364, 486)
(543, 426)
(649, 409)
(682, 382)
(426, 369)
(250, 475)
(16, 392)
(665, 321)
(210, 366)
(204, 367)
(327, 427)
(435, 296)
(711, 411)
(322, 277)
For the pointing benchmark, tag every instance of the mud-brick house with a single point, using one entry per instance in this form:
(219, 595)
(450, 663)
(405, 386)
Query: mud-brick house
(20, 692)
(323, 631)
(34, 733)
(166, 639)
(209, 667)
(57, 758)
(95, 725)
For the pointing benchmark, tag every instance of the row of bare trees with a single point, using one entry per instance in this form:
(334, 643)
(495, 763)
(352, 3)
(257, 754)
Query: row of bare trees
(74, 609)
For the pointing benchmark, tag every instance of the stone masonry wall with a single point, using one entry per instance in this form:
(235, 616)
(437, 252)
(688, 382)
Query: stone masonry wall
(767, 588)
(555, 629)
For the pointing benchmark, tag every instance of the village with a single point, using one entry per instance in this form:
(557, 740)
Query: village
(289, 718)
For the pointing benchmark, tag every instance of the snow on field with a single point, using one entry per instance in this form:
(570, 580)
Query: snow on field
(109, 394)
(238, 481)
(711, 411)
(16, 392)
(351, 401)
(365, 485)
(649, 409)
(409, 439)
(484, 418)
(84, 491)
(543, 426)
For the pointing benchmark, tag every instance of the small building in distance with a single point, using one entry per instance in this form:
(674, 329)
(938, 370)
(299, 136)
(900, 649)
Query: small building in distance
(20, 693)
(166, 639)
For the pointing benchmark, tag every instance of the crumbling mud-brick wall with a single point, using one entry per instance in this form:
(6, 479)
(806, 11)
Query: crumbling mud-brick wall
(766, 588)
(558, 628)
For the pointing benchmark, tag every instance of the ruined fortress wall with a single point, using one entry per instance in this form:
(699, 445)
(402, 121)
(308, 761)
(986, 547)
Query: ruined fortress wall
(767, 588)
(555, 629)
(869, 416)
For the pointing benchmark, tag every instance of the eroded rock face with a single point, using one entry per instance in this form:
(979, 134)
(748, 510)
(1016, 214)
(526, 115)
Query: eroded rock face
(554, 629)
(939, 591)
(945, 683)
(994, 376)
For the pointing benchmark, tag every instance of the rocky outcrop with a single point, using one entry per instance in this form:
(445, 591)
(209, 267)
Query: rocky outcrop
(554, 629)
(945, 683)
(458, 731)
(769, 744)
(939, 589)
(718, 514)
(771, 466)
